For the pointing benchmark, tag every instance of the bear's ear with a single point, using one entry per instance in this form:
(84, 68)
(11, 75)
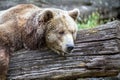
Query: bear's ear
(74, 13)
(46, 16)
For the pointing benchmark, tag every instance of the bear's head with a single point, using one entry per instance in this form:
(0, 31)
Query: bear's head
(59, 29)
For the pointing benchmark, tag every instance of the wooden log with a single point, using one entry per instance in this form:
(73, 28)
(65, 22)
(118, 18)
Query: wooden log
(96, 54)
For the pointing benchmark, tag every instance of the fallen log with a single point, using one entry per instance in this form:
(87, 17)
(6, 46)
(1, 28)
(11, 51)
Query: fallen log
(96, 54)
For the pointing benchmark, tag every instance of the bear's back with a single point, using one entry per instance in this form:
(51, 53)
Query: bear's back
(22, 11)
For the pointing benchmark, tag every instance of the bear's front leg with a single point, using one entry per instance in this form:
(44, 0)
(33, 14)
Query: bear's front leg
(4, 61)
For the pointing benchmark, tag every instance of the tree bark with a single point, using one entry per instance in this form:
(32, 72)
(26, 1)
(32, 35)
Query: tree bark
(96, 54)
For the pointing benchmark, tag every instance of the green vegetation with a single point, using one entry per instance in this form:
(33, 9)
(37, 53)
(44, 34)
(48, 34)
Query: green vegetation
(91, 22)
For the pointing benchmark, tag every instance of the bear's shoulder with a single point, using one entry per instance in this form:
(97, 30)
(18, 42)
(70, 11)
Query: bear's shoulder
(21, 10)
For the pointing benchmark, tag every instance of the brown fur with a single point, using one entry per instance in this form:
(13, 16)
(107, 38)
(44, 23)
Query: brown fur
(28, 26)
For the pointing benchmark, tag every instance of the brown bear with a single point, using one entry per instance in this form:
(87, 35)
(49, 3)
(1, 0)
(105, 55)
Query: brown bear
(31, 27)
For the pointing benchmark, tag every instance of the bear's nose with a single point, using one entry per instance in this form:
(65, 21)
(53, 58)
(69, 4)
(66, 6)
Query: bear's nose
(70, 47)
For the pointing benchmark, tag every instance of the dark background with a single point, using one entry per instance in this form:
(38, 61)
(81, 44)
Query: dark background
(107, 8)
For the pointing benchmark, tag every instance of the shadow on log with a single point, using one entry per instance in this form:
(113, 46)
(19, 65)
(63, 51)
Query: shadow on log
(96, 54)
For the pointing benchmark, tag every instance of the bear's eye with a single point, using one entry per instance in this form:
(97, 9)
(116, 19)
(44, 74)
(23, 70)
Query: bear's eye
(72, 32)
(61, 32)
